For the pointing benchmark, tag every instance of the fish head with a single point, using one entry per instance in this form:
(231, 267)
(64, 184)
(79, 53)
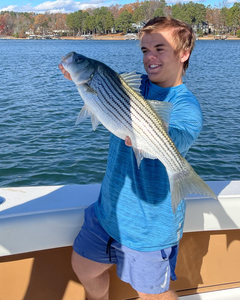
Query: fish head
(80, 67)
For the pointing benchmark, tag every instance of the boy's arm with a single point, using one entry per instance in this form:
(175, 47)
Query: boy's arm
(185, 124)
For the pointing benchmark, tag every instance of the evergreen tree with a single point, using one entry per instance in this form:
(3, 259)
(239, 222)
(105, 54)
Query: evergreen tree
(124, 22)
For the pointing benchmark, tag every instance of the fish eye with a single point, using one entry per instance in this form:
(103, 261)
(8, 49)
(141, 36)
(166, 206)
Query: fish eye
(78, 59)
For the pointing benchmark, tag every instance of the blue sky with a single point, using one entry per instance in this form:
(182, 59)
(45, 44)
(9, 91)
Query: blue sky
(66, 6)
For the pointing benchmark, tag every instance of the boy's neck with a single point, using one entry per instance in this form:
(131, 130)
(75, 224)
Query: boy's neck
(169, 84)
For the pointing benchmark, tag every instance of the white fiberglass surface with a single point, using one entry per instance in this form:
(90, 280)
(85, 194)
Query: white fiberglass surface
(229, 294)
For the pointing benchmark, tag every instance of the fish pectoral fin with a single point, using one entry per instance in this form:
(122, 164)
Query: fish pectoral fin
(140, 154)
(85, 113)
(95, 122)
(89, 89)
(163, 109)
(133, 80)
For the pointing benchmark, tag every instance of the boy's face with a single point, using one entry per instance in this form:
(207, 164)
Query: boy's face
(163, 66)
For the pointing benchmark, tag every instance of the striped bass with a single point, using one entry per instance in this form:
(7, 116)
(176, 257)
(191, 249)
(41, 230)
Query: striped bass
(115, 101)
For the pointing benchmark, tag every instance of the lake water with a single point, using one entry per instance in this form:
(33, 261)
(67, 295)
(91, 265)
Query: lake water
(40, 143)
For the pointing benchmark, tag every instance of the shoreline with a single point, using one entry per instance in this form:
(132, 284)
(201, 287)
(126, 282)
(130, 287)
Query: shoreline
(116, 37)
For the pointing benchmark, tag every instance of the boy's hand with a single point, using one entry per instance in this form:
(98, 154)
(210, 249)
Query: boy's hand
(128, 141)
(65, 73)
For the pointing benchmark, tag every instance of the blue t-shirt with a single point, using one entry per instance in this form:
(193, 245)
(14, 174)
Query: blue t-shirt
(134, 205)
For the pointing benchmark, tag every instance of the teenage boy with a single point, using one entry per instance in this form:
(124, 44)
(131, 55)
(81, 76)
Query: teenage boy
(132, 223)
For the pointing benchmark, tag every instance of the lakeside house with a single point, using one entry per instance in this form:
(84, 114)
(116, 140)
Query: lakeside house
(208, 28)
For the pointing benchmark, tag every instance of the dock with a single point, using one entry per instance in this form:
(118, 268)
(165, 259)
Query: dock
(130, 36)
(220, 37)
(87, 36)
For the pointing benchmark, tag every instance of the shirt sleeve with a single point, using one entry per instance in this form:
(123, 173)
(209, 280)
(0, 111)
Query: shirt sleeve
(186, 122)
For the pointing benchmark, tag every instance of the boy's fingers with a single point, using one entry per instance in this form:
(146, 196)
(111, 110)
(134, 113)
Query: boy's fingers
(128, 141)
(65, 73)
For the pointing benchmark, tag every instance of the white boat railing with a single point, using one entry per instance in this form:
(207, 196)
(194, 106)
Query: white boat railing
(46, 217)
(229, 294)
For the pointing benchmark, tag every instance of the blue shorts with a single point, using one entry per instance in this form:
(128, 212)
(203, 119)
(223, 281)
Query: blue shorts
(147, 272)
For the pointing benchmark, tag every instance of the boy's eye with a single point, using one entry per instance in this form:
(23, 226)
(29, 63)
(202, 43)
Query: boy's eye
(159, 49)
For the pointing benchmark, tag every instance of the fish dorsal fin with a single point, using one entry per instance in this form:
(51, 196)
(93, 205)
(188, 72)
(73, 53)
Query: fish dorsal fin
(163, 110)
(133, 80)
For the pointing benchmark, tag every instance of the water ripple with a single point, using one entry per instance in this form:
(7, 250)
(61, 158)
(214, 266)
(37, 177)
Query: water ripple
(40, 143)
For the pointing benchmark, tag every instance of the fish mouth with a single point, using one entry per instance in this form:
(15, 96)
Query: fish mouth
(68, 58)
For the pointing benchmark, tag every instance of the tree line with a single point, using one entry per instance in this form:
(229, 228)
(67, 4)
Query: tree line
(122, 18)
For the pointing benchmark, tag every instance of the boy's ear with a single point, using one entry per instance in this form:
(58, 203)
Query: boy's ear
(184, 56)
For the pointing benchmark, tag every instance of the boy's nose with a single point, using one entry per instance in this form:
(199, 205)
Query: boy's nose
(151, 54)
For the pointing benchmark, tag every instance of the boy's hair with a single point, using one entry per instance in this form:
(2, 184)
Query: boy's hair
(183, 37)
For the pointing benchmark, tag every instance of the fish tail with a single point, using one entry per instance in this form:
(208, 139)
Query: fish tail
(187, 182)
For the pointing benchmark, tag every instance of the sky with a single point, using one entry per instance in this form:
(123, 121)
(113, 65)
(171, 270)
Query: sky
(67, 6)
